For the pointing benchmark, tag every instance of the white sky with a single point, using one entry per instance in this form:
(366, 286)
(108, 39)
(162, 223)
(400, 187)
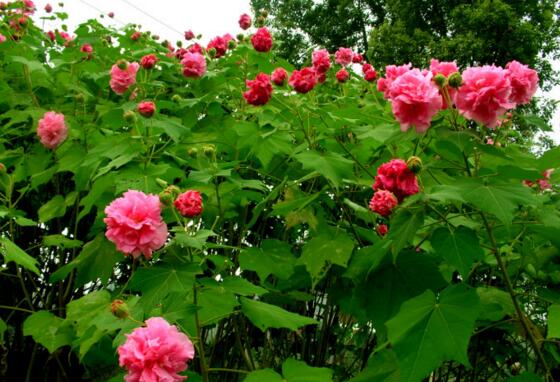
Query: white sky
(170, 18)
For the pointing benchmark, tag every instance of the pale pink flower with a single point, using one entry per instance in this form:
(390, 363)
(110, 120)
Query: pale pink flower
(52, 129)
(445, 68)
(392, 72)
(194, 65)
(134, 224)
(244, 21)
(415, 100)
(189, 203)
(122, 79)
(279, 76)
(321, 61)
(344, 56)
(157, 352)
(383, 202)
(2, 38)
(484, 94)
(524, 82)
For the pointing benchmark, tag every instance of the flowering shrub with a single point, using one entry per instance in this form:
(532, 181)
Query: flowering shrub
(163, 208)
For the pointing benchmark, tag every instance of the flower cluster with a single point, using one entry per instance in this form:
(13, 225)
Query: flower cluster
(260, 90)
(393, 183)
(156, 352)
(52, 129)
(135, 225)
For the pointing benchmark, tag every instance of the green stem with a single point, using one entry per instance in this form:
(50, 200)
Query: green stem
(203, 366)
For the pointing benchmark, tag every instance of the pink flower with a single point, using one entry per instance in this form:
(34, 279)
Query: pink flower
(52, 130)
(357, 58)
(2, 38)
(544, 184)
(489, 141)
(189, 203)
(194, 65)
(48, 8)
(392, 72)
(321, 61)
(382, 229)
(342, 75)
(303, 80)
(262, 40)
(134, 224)
(524, 82)
(146, 108)
(122, 79)
(30, 5)
(220, 44)
(370, 75)
(383, 202)
(244, 21)
(189, 35)
(445, 68)
(155, 353)
(366, 67)
(86, 48)
(65, 36)
(395, 176)
(136, 36)
(148, 61)
(279, 76)
(415, 100)
(111, 14)
(51, 35)
(484, 95)
(343, 56)
(260, 90)
(321, 77)
(195, 48)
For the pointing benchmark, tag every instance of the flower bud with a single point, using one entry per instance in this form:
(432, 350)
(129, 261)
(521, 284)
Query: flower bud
(3, 5)
(120, 309)
(440, 80)
(382, 229)
(79, 97)
(240, 37)
(129, 116)
(209, 150)
(176, 98)
(455, 80)
(212, 52)
(414, 164)
(61, 4)
(155, 37)
(179, 43)
(193, 152)
(231, 44)
(260, 21)
(264, 13)
(122, 64)
(2, 168)
(166, 198)
(162, 183)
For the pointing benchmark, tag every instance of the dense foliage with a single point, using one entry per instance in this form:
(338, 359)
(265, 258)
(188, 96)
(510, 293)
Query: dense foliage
(262, 255)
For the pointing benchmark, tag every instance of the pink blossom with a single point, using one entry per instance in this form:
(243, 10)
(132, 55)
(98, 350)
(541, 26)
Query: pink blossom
(415, 100)
(260, 90)
(146, 108)
(189, 203)
(279, 76)
(382, 229)
(148, 61)
(134, 224)
(111, 14)
(484, 94)
(122, 79)
(524, 82)
(321, 60)
(343, 56)
(65, 36)
(445, 68)
(189, 35)
(392, 72)
(357, 58)
(383, 202)
(51, 35)
(195, 48)
(86, 48)
(155, 353)
(194, 65)
(244, 21)
(303, 80)
(395, 176)
(220, 44)
(366, 67)
(342, 75)
(262, 40)
(370, 75)
(52, 129)
(136, 36)
(48, 8)
(2, 38)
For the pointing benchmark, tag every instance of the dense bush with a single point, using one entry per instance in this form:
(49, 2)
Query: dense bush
(261, 252)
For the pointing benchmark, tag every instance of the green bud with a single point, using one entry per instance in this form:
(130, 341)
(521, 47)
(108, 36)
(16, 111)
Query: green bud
(240, 37)
(79, 97)
(193, 152)
(122, 64)
(166, 198)
(130, 116)
(260, 21)
(162, 183)
(264, 13)
(179, 44)
(414, 164)
(120, 309)
(209, 150)
(440, 80)
(212, 52)
(176, 98)
(231, 44)
(455, 80)
(155, 37)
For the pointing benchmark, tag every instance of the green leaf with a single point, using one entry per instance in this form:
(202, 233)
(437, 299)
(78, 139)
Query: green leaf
(158, 281)
(265, 316)
(553, 323)
(264, 375)
(323, 251)
(299, 371)
(198, 240)
(501, 200)
(3, 328)
(460, 248)
(495, 303)
(48, 330)
(54, 208)
(61, 241)
(215, 304)
(273, 258)
(527, 376)
(404, 226)
(14, 253)
(382, 366)
(331, 165)
(428, 331)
